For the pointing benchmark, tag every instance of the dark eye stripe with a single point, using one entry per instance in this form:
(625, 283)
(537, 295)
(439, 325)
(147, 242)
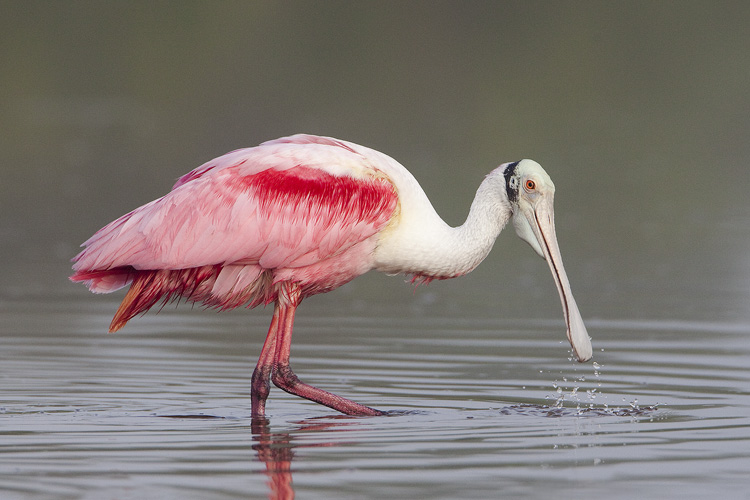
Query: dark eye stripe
(511, 182)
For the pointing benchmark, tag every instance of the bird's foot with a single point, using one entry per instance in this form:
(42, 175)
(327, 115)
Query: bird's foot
(284, 378)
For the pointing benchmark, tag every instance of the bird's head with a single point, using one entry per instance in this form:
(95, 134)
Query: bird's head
(531, 194)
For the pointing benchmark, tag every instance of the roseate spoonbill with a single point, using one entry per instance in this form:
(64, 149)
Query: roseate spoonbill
(303, 215)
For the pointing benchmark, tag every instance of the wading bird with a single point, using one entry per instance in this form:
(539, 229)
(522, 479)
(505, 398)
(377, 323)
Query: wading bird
(303, 215)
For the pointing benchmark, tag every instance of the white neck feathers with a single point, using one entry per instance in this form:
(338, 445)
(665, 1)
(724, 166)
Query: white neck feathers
(419, 242)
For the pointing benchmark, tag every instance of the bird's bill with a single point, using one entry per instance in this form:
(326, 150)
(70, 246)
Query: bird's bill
(540, 221)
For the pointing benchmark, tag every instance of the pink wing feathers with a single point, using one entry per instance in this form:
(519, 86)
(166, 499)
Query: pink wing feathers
(303, 209)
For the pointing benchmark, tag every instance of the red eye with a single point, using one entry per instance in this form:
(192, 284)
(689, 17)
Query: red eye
(530, 185)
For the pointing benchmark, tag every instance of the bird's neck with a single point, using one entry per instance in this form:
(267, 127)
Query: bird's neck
(488, 215)
(424, 245)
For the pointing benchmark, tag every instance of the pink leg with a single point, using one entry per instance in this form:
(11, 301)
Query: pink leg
(282, 374)
(261, 380)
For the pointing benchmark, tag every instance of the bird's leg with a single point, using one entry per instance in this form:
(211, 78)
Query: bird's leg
(282, 374)
(261, 380)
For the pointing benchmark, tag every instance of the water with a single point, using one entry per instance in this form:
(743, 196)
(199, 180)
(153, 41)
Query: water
(639, 113)
(481, 408)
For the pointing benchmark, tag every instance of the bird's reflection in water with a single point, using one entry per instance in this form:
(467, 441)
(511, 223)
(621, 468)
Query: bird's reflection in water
(276, 449)
(276, 452)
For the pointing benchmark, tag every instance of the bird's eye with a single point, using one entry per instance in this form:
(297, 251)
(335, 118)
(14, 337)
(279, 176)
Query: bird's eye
(530, 185)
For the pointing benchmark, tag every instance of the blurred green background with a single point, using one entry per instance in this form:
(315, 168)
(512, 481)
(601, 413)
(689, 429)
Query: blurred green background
(639, 111)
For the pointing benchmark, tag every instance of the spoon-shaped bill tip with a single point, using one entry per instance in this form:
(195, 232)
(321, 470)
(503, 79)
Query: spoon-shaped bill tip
(577, 334)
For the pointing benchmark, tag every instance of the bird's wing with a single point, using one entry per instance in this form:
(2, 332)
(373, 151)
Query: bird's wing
(282, 204)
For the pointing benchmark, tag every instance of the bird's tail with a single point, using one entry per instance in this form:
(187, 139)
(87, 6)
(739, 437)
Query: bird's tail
(148, 287)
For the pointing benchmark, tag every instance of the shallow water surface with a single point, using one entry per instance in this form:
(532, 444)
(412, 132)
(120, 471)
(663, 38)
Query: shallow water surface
(480, 408)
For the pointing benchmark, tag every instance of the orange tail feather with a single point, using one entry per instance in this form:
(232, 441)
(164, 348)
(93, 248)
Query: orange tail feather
(131, 305)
